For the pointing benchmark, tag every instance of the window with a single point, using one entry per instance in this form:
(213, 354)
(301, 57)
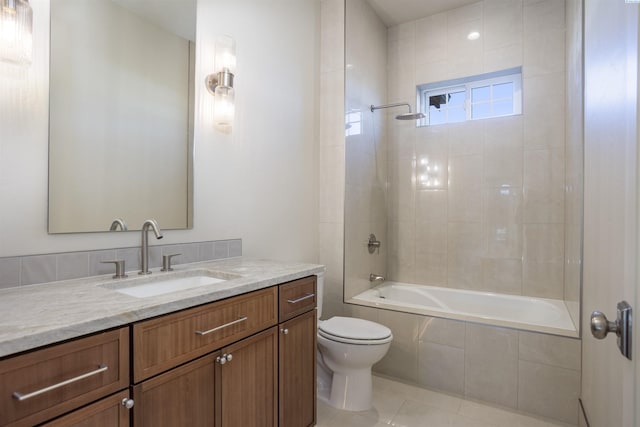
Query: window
(471, 98)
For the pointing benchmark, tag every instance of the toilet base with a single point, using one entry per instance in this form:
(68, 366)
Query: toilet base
(352, 392)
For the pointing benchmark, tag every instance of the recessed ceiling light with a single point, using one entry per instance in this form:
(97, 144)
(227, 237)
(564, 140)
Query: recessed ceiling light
(474, 35)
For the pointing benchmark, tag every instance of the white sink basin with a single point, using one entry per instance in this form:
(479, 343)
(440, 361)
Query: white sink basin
(161, 287)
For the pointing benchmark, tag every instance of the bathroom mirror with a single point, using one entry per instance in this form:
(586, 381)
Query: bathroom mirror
(121, 113)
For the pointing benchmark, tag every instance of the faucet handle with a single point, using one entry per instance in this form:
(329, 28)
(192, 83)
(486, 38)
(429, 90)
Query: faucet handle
(119, 268)
(166, 262)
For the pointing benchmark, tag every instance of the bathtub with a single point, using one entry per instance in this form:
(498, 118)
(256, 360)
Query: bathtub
(512, 311)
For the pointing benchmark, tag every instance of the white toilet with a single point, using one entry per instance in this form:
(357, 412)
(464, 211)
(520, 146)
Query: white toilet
(347, 349)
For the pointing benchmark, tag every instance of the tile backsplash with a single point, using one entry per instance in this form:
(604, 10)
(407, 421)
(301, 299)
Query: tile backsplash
(32, 269)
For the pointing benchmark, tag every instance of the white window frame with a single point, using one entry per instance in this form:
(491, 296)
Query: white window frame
(513, 75)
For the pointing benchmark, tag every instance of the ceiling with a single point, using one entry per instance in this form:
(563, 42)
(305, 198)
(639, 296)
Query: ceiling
(394, 12)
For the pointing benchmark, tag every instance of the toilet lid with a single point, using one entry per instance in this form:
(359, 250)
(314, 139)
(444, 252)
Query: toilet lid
(354, 329)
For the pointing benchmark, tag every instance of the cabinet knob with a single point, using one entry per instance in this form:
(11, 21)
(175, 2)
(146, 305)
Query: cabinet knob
(224, 359)
(284, 331)
(127, 403)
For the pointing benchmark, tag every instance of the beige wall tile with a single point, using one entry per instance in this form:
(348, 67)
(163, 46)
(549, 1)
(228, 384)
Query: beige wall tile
(465, 138)
(503, 23)
(502, 58)
(431, 253)
(542, 16)
(544, 121)
(431, 38)
(465, 255)
(491, 364)
(502, 168)
(431, 206)
(331, 35)
(502, 222)
(503, 133)
(544, 52)
(401, 192)
(465, 196)
(561, 389)
(502, 275)
(544, 242)
(332, 166)
(544, 182)
(401, 255)
(542, 279)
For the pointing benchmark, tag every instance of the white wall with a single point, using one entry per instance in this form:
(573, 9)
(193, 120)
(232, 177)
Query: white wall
(259, 183)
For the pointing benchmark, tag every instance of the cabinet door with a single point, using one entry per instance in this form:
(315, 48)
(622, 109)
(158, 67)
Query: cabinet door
(249, 383)
(184, 396)
(297, 377)
(108, 412)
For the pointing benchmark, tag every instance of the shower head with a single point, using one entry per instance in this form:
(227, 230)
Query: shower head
(410, 116)
(405, 116)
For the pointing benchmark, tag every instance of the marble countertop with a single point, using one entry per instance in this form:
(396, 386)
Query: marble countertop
(36, 315)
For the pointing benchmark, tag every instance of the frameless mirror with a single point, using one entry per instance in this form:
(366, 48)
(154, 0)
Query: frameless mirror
(121, 113)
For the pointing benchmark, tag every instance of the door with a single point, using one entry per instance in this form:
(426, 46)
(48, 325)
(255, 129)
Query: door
(610, 272)
(181, 397)
(249, 382)
(297, 375)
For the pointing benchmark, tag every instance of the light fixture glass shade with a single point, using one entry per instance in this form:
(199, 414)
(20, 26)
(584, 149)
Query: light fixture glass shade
(224, 109)
(225, 59)
(16, 22)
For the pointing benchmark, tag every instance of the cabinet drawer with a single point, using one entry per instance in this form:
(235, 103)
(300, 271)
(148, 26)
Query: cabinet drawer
(162, 343)
(42, 384)
(297, 297)
(108, 412)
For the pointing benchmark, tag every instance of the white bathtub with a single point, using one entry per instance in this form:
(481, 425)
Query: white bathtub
(513, 311)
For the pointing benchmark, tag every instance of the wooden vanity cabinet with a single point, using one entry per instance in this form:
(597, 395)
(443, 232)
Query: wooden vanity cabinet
(297, 353)
(42, 384)
(235, 382)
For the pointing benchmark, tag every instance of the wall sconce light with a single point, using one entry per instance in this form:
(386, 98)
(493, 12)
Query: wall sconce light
(220, 84)
(16, 22)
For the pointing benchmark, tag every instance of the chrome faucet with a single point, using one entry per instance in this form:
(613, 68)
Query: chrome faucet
(376, 278)
(145, 243)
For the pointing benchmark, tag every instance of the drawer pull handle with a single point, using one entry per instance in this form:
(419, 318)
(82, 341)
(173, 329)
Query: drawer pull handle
(21, 397)
(295, 301)
(226, 325)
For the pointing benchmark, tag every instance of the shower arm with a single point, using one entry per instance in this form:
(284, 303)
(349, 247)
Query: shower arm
(399, 104)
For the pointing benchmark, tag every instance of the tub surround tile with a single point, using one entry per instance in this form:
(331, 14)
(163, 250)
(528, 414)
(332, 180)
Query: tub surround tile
(401, 360)
(550, 350)
(445, 332)
(561, 391)
(491, 364)
(439, 367)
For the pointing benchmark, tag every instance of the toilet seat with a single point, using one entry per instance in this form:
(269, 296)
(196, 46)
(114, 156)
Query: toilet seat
(350, 330)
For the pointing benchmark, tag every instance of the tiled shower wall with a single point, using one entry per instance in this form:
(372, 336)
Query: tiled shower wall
(531, 372)
(32, 269)
(499, 224)
(365, 146)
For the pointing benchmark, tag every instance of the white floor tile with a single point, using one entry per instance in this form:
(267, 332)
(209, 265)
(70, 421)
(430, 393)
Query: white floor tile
(403, 405)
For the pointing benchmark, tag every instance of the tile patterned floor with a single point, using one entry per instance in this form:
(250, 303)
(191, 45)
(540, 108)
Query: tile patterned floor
(402, 405)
